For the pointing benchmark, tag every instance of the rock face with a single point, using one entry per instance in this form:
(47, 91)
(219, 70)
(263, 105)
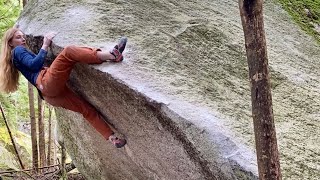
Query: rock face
(7, 153)
(181, 96)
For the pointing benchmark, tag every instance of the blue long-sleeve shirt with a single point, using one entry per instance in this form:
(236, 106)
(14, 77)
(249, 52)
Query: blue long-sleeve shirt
(28, 63)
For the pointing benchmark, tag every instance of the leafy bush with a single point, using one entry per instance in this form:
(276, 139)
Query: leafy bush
(9, 12)
(15, 104)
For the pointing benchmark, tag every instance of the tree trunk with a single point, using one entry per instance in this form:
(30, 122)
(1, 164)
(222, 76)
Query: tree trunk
(33, 128)
(265, 135)
(42, 144)
(49, 158)
(24, 2)
(55, 149)
(11, 137)
(63, 161)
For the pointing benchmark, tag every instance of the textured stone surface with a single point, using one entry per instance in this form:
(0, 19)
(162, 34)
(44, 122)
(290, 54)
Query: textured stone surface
(181, 97)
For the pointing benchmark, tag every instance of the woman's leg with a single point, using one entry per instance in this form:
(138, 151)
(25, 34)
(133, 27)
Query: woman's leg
(52, 83)
(58, 73)
(54, 78)
(69, 100)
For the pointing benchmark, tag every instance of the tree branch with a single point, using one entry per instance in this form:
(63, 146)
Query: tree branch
(11, 137)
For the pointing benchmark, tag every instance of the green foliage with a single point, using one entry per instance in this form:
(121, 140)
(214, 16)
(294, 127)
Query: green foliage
(16, 105)
(7, 154)
(9, 12)
(298, 9)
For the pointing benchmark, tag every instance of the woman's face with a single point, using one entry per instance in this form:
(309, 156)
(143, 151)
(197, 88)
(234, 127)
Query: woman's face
(18, 40)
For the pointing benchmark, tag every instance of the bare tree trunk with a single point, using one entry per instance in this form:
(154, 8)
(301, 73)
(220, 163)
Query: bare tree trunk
(24, 2)
(63, 161)
(42, 144)
(55, 149)
(11, 137)
(50, 136)
(34, 142)
(265, 135)
(16, 111)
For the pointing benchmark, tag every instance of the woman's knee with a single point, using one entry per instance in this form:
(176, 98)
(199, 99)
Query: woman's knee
(69, 50)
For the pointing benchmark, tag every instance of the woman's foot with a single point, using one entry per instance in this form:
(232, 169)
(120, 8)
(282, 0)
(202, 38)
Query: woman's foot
(121, 44)
(117, 142)
(118, 49)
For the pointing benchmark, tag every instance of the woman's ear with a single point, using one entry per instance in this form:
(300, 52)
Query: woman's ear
(10, 44)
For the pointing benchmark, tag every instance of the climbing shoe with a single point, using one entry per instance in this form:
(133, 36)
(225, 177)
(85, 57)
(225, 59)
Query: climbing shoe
(121, 44)
(117, 55)
(117, 142)
(118, 49)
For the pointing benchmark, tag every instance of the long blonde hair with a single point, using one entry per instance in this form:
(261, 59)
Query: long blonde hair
(9, 74)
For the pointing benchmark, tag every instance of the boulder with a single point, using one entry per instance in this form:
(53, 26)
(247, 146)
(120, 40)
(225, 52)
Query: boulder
(181, 97)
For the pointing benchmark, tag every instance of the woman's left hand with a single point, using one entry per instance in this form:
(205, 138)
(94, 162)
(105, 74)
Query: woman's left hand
(47, 39)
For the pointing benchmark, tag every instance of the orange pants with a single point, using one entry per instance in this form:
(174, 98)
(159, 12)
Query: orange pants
(52, 84)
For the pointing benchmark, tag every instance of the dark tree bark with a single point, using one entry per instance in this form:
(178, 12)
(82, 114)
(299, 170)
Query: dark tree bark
(42, 144)
(265, 135)
(24, 2)
(49, 158)
(35, 163)
(11, 137)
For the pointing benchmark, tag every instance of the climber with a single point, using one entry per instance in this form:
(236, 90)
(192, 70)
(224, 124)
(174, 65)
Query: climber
(51, 81)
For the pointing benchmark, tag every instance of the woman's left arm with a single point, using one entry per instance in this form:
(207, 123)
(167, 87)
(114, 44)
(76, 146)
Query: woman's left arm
(47, 39)
(24, 57)
(34, 64)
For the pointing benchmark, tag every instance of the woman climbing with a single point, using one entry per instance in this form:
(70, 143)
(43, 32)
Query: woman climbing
(51, 81)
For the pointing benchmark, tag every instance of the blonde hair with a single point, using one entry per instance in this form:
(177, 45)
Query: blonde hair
(9, 74)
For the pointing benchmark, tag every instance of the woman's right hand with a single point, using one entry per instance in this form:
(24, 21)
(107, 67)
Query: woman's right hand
(48, 39)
